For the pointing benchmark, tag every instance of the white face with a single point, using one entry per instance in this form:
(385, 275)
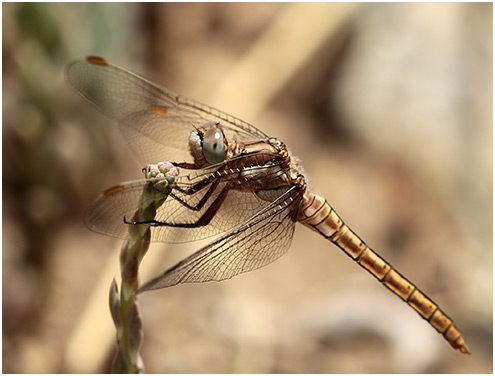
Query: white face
(207, 144)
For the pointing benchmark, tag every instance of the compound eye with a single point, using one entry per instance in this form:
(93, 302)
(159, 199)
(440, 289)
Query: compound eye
(213, 145)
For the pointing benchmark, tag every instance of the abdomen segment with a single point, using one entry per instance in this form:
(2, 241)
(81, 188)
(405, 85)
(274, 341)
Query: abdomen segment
(317, 214)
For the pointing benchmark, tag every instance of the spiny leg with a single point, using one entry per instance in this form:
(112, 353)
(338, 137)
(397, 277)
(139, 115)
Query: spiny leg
(201, 202)
(204, 220)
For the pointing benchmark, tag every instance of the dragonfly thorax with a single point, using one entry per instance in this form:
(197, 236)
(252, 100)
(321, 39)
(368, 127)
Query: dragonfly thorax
(265, 167)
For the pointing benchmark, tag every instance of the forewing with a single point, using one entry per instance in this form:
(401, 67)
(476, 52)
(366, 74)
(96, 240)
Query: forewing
(107, 212)
(155, 121)
(255, 243)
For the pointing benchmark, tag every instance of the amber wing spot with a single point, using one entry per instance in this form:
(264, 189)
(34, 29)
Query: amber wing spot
(96, 60)
(113, 190)
(158, 110)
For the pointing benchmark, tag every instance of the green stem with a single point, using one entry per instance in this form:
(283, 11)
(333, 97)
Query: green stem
(125, 311)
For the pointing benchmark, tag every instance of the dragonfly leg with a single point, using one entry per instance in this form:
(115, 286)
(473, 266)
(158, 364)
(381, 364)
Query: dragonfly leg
(204, 220)
(201, 202)
(186, 165)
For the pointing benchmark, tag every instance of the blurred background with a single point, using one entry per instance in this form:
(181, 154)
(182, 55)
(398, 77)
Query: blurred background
(389, 108)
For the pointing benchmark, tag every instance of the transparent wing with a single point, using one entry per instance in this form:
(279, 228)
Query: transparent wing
(106, 214)
(255, 243)
(155, 121)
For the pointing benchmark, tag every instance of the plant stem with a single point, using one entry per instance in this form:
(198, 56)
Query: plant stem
(125, 310)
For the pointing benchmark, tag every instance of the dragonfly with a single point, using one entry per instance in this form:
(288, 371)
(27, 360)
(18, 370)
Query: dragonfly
(236, 184)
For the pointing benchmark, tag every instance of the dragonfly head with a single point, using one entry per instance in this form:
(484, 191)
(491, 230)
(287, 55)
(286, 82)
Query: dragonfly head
(208, 144)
